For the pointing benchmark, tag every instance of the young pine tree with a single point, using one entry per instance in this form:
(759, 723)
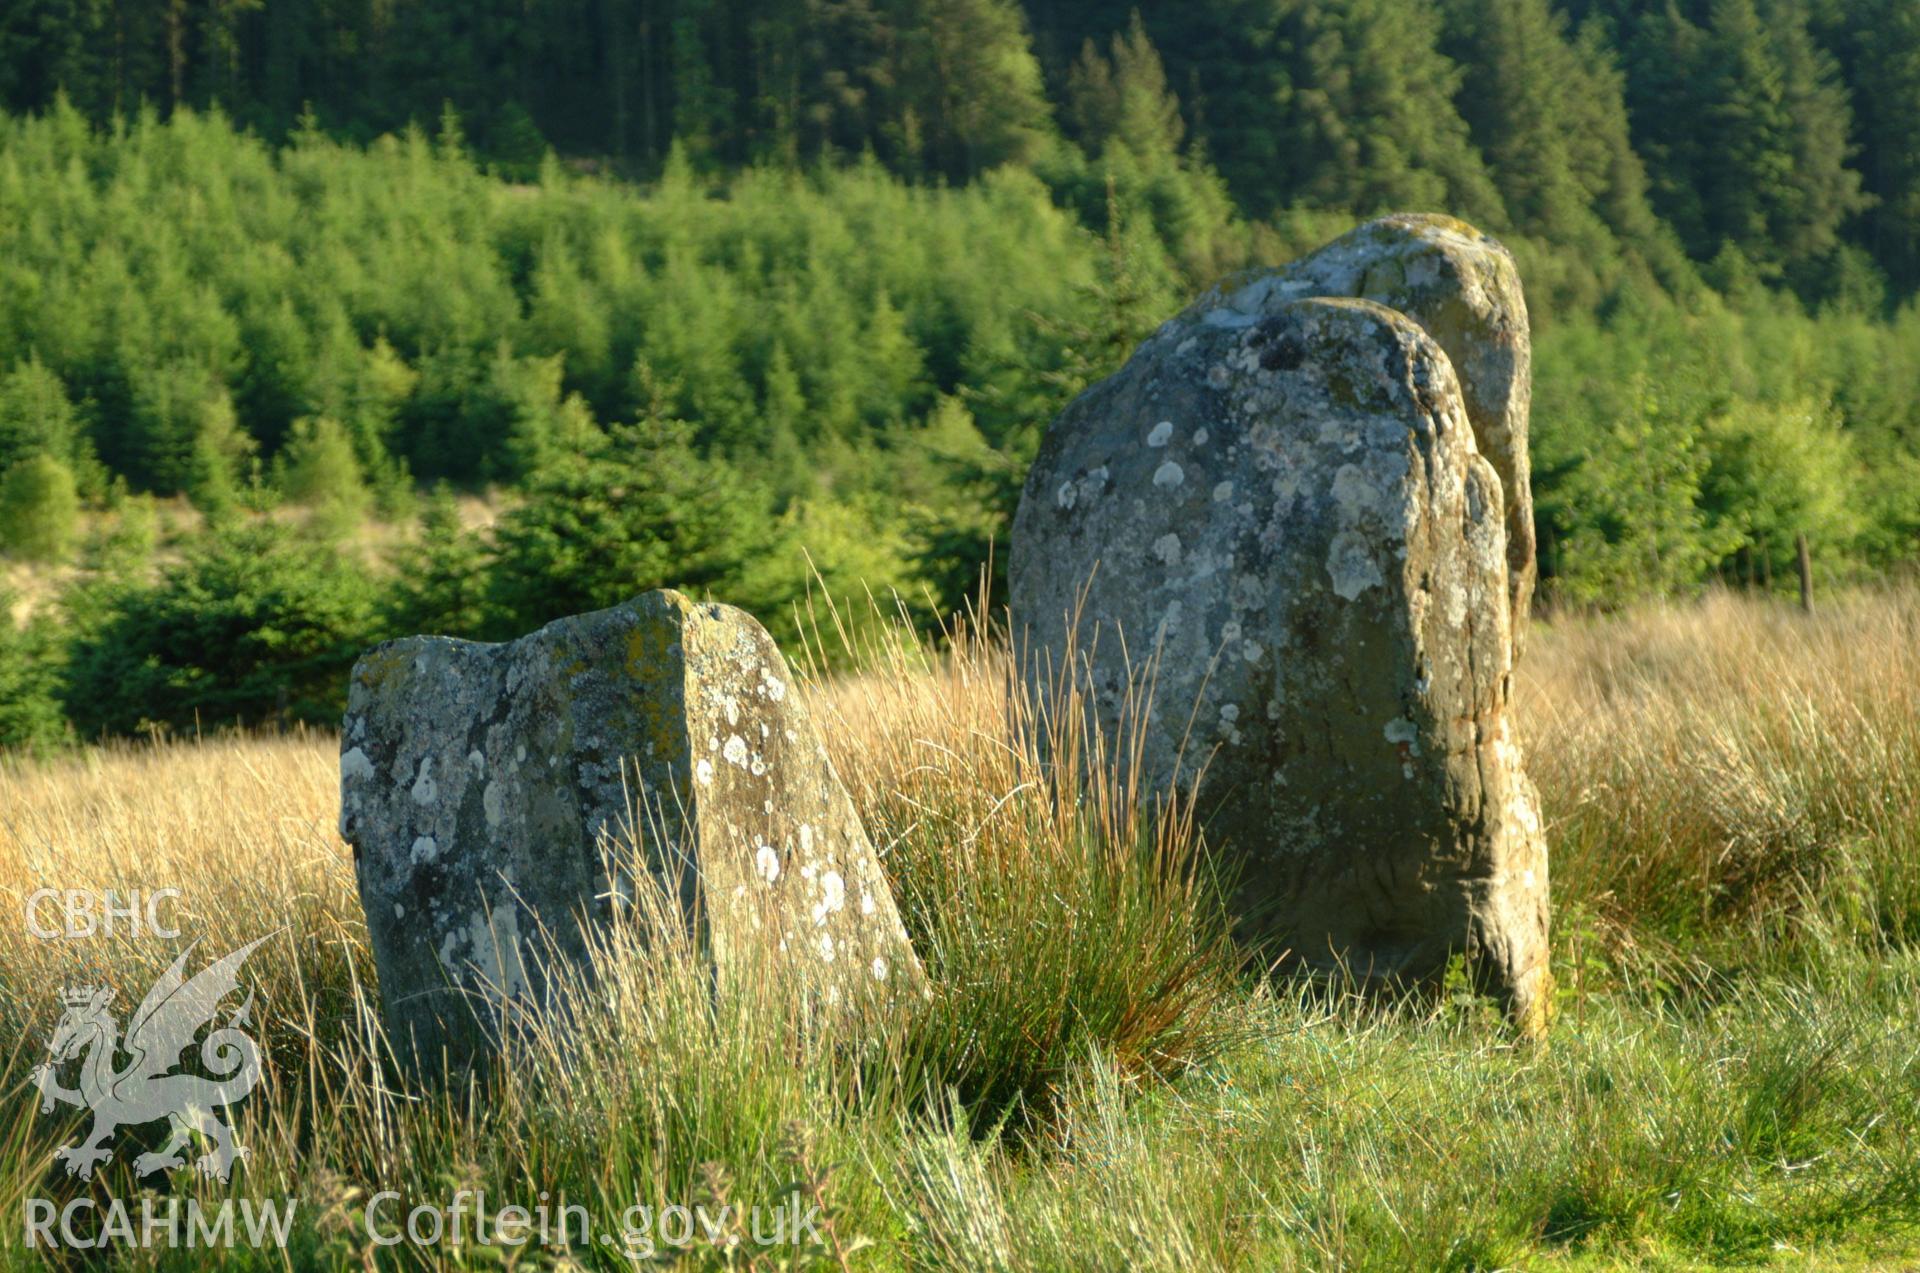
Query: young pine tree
(638, 509)
(443, 585)
(321, 472)
(1123, 96)
(1128, 120)
(37, 416)
(39, 510)
(30, 716)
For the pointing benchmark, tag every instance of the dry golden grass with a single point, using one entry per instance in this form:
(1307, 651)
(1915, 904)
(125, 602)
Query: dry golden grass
(1698, 761)
(245, 828)
(1708, 765)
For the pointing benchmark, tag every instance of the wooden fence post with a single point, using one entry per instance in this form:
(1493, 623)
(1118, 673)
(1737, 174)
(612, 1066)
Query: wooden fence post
(1806, 572)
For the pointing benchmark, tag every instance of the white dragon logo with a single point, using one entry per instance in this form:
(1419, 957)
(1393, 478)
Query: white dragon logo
(161, 1029)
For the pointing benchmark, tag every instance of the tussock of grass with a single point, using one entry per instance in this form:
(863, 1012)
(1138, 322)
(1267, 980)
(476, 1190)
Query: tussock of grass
(1057, 911)
(1095, 1083)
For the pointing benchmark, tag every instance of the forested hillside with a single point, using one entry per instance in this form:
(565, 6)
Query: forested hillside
(704, 290)
(1786, 130)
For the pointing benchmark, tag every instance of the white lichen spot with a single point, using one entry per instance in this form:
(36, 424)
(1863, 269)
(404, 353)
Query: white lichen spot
(1251, 651)
(1168, 475)
(867, 905)
(356, 765)
(1229, 712)
(806, 840)
(493, 803)
(1161, 434)
(826, 947)
(1166, 550)
(1402, 730)
(735, 752)
(766, 863)
(476, 761)
(833, 896)
(1223, 492)
(424, 850)
(1068, 493)
(425, 789)
(1200, 437)
(1354, 492)
(1170, 621)
(703, 772)
(731, 706)
(878, 968)
(399, 911)
(1351, 566)
(496, 952)
(772, 686)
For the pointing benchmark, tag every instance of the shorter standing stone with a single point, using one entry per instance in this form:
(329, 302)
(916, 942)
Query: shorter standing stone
(483, 788)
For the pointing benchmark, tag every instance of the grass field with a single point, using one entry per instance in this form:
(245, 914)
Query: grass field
(1733, 794)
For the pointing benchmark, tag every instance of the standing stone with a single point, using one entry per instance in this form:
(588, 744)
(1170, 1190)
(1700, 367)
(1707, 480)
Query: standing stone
(1463, 288)
(1279, 511)
(483, 787)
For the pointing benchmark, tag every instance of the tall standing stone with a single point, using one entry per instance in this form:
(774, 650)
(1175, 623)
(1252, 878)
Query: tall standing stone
(484, 788)
(1279, 512)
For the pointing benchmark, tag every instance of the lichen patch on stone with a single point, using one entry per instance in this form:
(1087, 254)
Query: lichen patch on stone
(1350, 565)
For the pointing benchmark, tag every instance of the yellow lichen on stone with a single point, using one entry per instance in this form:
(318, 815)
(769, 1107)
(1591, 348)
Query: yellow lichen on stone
(378, 667)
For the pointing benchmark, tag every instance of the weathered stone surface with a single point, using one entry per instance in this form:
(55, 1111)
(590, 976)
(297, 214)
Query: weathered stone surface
(477, 783)
(1464, 289)
(1303, 549)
